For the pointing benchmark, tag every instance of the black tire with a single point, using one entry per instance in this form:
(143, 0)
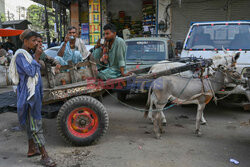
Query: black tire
(121, 96)
(69, 108)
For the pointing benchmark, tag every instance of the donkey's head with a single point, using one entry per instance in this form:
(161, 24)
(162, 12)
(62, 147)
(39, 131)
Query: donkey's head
(225, 60)
(229, 74)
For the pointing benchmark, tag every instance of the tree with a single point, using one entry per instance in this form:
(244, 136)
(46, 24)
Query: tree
(3, 18)
(36, 15)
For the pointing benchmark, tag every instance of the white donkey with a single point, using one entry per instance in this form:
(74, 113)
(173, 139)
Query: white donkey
(228, 61)
(181, 90)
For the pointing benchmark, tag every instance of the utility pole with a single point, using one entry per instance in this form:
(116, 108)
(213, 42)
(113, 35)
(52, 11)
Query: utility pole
(19, 11)
(46, 23)
(0, 20)
(61, 24)
(56, 20)
(64, 23)
(8, 15)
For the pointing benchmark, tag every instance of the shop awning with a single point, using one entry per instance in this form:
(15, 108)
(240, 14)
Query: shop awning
(10, 32)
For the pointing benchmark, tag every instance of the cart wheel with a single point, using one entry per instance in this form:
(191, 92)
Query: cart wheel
(121, 96)
(82, 121)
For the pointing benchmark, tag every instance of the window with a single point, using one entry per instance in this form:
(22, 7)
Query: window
(146, 50)
(52, 52)
(227, 36)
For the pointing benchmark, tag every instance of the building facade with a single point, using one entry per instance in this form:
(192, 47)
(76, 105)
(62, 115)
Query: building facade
(2, 6)
(169, 18)
(16, 10)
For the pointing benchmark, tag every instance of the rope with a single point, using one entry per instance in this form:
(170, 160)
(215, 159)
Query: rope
(136, 108)
(210, 85)
(224, 96)
(144, 110)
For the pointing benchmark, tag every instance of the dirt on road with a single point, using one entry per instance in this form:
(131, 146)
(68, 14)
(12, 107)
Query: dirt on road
(130, 141)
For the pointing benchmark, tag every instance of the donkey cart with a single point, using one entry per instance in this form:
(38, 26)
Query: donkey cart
(83, 119)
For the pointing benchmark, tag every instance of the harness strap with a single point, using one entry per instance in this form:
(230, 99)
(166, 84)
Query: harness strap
(213, 93)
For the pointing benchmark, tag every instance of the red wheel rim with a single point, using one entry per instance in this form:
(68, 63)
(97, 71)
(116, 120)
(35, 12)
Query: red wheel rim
(82, 122)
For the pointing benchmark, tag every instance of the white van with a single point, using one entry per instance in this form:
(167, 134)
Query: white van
(207, 39)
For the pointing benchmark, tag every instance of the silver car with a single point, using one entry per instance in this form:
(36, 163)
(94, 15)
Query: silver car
(52, 52)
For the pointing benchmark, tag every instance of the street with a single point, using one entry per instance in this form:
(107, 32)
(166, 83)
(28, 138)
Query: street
(130, 141)
(186, 52)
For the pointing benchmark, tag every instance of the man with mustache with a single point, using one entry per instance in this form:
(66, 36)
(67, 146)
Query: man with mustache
(25, 73)
(72, 49)
(112, 56)
(45, 59)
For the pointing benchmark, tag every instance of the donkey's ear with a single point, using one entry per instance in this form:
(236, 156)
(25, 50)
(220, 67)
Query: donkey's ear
(237, 56)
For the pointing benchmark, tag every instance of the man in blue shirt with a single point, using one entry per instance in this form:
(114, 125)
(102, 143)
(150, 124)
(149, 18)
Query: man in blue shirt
(25, 71)
(72, 49)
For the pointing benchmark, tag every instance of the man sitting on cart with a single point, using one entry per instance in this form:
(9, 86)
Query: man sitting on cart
(112, 56)
(72, 49)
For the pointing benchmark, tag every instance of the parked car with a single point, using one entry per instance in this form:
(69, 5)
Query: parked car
(144, 52)
(52, 52)
(45, 45)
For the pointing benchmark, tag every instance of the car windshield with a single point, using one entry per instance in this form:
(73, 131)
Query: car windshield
(216, 37)
(145, 50)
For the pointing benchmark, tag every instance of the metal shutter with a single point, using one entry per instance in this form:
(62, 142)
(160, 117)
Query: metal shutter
(194, 11)
(240, 10)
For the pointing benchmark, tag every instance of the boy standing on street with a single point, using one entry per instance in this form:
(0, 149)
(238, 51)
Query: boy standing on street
(25, 72)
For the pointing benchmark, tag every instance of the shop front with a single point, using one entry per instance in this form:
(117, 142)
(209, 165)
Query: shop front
(133, 18)
(138, 16)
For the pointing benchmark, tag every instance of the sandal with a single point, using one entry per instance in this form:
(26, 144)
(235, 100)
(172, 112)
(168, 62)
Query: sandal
(48, 162)
(36, 153)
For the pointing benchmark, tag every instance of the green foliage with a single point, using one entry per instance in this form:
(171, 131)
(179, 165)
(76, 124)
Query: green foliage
(36, 15)
(3, 18)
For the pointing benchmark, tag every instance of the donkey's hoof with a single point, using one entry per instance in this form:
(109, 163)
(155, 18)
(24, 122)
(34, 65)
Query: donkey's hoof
(203, 123)
(198, 133)
(164, 123)
(151, 121)
(158, 136)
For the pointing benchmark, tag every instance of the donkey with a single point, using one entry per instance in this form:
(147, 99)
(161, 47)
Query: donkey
(228, 61)
(181, 90)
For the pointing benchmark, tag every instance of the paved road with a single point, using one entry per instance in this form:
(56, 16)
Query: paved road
(130, 141)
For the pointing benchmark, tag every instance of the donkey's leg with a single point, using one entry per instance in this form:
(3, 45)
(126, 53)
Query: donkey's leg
(150, 116)
(158, 119)
(164, 121)
(161, 123)
(203, 120)
(200, 109)
(157, 122)
(152, 99)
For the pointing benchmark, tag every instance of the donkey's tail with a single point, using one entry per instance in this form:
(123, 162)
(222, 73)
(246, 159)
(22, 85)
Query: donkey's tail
(149, 104)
